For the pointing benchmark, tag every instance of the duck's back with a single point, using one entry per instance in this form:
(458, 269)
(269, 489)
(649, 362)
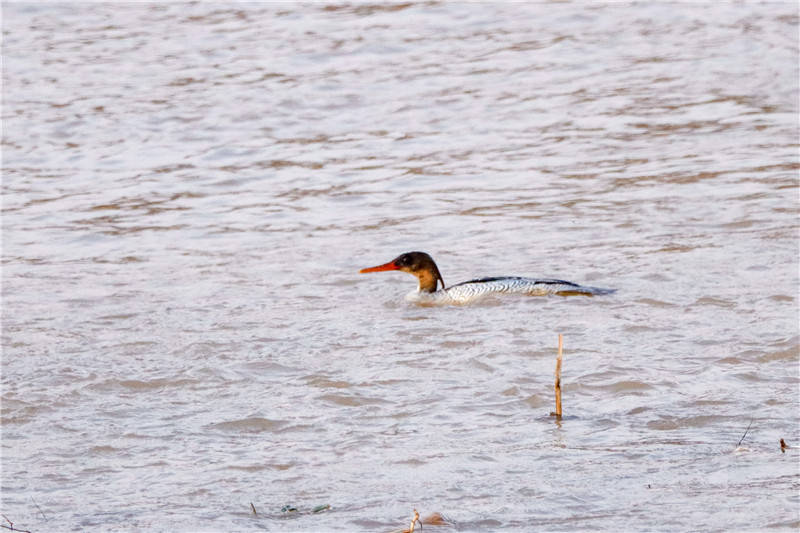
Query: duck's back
(469, 291)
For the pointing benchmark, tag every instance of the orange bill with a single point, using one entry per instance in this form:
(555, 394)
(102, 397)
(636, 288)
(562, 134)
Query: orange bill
(380, 268)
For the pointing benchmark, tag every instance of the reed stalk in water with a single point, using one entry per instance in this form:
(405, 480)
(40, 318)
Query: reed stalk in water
(434, 519)
(557, 414)
(414, 522)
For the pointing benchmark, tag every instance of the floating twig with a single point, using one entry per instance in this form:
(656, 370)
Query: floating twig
(40, 509)
(253, 507)
(745, 433)
(11, 527)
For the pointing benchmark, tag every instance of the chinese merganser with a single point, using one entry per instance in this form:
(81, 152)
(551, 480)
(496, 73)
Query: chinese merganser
(423, 267)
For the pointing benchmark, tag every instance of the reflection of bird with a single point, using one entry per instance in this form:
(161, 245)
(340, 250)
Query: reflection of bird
(423, 267)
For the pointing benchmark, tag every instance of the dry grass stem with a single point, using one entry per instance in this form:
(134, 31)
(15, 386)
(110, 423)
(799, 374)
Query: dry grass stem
(11, 527)
(558, 375)
(433, 519)
(414, 522)
(745, 433)
(40, 509)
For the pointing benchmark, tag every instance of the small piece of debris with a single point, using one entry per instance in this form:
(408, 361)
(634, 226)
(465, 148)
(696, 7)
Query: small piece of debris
(414, 522)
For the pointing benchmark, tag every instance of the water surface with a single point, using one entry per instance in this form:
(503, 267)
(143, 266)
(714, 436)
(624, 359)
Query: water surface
(189, 191)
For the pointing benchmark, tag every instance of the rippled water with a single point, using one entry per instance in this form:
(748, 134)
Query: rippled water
(189, 191)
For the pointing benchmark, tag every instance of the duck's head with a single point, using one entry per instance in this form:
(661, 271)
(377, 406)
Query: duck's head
(418, 264)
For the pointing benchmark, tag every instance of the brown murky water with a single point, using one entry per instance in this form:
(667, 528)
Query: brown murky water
(189, 191)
